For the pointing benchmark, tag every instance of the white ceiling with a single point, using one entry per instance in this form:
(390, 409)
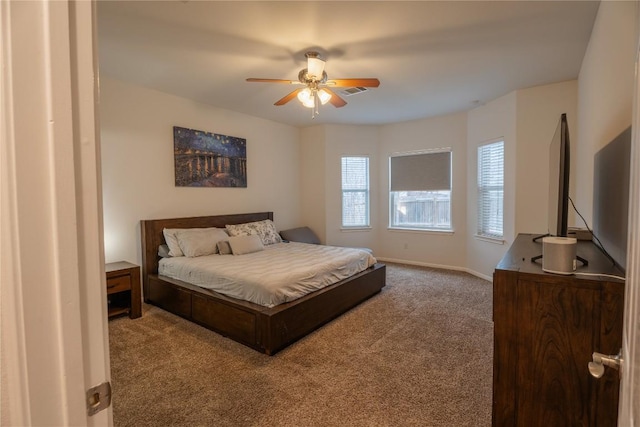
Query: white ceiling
(432, 57)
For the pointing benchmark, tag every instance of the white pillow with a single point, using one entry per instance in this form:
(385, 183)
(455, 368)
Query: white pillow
(172, 241)
(198, 242)
(266, 229)
(241, 245)
(163, 251)
(224, 248)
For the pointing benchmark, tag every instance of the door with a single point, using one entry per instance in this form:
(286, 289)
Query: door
(54, 321)
(629, 408)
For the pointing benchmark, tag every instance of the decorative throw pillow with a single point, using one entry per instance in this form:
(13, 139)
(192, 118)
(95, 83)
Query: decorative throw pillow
(241, 245)
(266, 229)
(198, 242)
(300, 234)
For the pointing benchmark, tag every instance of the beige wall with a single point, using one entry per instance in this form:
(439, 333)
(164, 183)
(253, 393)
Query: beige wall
(426, 248)
(312, 180)
(296, 173)
(605, 91)
(321, 150)
(526, 120)
(342, 140)
(494, 120)
(538, 111)
(322, 147)
(138, 173)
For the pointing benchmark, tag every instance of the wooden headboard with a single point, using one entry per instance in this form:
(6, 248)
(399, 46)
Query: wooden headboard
(152, 236)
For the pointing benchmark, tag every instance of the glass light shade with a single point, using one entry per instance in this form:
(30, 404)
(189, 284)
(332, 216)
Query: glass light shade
(324, 96)
(306, 97)
(315, 67)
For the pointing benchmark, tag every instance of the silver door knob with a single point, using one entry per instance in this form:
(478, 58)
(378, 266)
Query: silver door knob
(596, 368)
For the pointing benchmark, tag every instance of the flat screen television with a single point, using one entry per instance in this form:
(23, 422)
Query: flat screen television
(559, 166)
(611, 181)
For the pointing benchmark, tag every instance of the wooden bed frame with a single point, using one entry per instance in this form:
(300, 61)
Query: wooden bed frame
(267, 330)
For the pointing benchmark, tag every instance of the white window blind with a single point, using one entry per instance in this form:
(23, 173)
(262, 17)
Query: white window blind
(355, 191)
(420, 191)
(491, 190)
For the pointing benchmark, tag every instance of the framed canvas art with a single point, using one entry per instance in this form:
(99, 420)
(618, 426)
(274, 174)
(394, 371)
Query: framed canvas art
(204, 159)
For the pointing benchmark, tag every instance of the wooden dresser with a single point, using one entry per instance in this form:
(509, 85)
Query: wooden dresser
(546, 328)
(123, 289)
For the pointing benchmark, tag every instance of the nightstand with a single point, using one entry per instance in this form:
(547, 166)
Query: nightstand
(123, 289)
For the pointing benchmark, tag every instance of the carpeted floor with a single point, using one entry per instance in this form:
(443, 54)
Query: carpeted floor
(417, 354)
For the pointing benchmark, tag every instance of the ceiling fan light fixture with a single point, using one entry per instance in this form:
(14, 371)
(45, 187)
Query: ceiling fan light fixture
(313, 92)
(324, 96)
(315, 68)
(305, 96)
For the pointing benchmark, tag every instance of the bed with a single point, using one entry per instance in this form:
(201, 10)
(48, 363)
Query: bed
(267, 329)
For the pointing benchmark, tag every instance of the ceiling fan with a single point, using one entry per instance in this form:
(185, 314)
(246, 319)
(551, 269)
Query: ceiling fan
(316, 86)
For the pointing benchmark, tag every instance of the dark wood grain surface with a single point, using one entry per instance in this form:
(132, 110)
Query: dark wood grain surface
(518, 258)
(546, 327)
(124, 278)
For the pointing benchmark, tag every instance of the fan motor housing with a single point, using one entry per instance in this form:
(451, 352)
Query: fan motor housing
(303, 76)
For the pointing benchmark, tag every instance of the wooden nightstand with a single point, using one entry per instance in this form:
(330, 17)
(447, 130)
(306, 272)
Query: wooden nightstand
(123, 289)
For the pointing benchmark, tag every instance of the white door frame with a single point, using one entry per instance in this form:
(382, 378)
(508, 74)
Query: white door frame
(54, 322)
(629, 407)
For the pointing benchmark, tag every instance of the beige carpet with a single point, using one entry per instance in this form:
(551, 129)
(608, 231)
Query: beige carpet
(417, 354)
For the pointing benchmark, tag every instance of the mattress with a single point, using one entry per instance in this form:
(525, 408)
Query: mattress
(282, 272)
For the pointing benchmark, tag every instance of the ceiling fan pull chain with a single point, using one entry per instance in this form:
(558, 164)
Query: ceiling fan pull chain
(316, 101)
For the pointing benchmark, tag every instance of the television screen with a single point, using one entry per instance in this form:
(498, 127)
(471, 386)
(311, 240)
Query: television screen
(559, 161)
(611, 196)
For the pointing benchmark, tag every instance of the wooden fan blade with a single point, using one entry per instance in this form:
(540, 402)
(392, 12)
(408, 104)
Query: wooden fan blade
(287, 98)
(291, 82)
(335, 100)
(353, 82)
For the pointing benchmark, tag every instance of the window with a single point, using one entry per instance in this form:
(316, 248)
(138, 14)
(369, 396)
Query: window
(355, 192)
(491, 190)
(420, 191)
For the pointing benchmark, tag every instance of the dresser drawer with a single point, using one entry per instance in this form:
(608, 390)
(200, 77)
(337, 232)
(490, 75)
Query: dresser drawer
(118, 284)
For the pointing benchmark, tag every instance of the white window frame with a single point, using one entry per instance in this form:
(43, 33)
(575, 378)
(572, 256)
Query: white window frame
(366, 191)
(432, 196)
(485, 230)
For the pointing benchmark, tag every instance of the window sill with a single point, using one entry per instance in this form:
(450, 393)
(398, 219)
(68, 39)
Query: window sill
(494, 240)
(349, 229)
(420, 230)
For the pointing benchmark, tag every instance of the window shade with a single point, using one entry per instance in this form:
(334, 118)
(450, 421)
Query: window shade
(421, 172)
(491, 189)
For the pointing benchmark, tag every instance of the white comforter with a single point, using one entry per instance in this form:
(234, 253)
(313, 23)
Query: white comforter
(282, 272)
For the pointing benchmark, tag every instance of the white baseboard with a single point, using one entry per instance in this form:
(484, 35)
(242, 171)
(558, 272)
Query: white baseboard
(438, 266)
